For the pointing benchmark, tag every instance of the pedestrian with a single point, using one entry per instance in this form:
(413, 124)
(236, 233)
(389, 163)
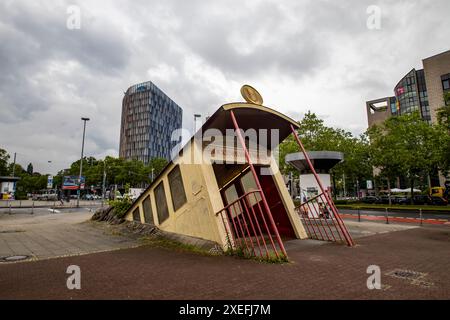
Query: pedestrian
(60, 197)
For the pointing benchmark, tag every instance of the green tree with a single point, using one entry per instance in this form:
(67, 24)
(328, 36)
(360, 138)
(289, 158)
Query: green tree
(17, 169)
(386, 154)
(30, 184)
(443, 113)
(357, 165)
(4, 159)
(443, 120)
(315, 136)
(30, 168)
(406, 146)
(157, 165)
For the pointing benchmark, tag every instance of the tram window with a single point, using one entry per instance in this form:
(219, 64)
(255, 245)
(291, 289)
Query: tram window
(148, 213)
(231, 196)
(136, 215)
(177, 188)
(161, 203)
(249, 184)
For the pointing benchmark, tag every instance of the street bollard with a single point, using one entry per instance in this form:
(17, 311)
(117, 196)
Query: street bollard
(9, 207)
(421, 217)
(387, 216)
(32, 207)
(20, 203)
(359, 216)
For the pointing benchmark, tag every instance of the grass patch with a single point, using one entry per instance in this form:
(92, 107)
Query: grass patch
(160, 242)
(244, 254)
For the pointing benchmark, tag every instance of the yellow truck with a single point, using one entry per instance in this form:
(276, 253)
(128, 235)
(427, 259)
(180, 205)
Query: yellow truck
(437, 192)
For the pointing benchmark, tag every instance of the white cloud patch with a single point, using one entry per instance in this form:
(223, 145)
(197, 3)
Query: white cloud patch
(301, 55)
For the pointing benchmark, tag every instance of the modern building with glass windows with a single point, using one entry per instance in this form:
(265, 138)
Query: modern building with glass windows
(412, 95)
(149, 117)
(419, 90)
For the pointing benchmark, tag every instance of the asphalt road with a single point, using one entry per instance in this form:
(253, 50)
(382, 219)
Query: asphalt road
(399, 214)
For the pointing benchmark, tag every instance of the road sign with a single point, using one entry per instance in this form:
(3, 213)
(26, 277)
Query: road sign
(71, 183)
(50, 182)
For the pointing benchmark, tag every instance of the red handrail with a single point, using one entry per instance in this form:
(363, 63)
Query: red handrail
(238, 200)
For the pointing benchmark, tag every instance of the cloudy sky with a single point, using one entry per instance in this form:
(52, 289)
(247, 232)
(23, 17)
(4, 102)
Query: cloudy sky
(300, 55)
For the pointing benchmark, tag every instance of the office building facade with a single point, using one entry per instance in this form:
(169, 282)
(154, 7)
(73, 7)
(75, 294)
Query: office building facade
(149, 117)
(419, 90)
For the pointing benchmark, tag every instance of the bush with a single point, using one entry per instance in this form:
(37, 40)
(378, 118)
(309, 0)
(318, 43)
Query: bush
(21, 196)
(120, 206)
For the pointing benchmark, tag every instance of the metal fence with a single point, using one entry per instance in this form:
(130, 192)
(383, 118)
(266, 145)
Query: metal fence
(320, 220)
(24, 204)
(249, 231)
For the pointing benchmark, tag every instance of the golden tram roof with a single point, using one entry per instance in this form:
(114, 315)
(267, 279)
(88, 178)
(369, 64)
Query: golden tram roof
(249, 115)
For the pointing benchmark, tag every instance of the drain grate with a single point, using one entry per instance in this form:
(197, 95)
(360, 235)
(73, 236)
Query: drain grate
(406, 274)
(414, 277)
(14, 258)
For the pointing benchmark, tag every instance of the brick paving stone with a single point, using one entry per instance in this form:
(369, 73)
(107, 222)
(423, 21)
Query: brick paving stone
(326, 271)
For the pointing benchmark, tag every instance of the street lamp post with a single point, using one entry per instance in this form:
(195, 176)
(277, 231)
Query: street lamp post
(197, 122)
(104, 181)
(81, 162)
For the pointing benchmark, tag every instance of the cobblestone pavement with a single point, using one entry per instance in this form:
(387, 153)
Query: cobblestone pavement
(49, 235)
(414, 265)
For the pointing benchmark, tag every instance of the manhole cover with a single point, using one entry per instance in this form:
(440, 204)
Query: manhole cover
(406, 274)
(414, 277)
(13, 258)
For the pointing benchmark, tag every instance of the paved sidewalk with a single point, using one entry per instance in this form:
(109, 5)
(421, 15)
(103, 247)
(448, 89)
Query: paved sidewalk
(51, 235)
(414, 265)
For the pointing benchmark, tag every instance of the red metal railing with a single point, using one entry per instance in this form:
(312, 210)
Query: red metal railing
(248, 231)
(321, 209)
(319, 220)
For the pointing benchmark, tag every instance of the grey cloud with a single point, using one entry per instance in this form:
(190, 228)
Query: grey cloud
(50, 76)
(34, 38)
(294, 52)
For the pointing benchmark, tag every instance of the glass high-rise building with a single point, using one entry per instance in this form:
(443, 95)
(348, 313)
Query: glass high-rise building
(149, 117)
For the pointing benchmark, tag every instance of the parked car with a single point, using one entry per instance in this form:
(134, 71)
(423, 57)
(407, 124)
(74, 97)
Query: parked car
(88, 197)
(46, 195)
(402, 200)
(417, 200)
(369, 199)
(438, 201)
(421, 199)
(383, 200)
